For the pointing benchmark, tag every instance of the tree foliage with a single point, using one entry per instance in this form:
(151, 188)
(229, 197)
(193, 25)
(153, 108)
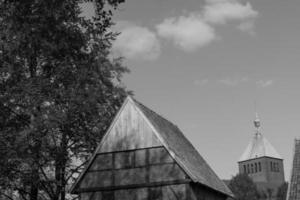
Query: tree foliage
(243, 187)
(58, 92)
(282, 191)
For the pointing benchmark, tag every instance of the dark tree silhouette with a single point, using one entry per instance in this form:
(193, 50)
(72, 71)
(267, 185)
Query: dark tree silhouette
(59, 90)
(282, 191)
(243, 187)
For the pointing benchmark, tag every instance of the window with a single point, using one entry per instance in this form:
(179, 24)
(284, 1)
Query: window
(252, 169)
(245, 170)
(255, 167)
(248, 168)
(259, 167)
(271, 165)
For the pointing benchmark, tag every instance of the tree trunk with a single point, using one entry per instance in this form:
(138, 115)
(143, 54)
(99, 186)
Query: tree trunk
(60, 168)
(34, 183)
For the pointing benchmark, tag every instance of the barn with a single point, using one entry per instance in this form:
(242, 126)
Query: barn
(143, 156)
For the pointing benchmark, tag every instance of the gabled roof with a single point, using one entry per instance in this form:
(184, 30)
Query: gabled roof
(179, 148)
(184, 152)
(258, 147)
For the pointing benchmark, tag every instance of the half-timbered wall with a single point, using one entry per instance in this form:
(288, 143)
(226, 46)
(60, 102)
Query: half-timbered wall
(167, 192)
(132, 168)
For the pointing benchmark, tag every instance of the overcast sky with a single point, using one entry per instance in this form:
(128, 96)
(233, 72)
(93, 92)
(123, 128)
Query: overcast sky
(203, 64)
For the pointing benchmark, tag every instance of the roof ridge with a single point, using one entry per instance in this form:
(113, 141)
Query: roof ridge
(159, 115)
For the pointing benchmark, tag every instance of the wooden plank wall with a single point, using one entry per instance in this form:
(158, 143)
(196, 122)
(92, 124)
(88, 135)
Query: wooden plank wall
(130, 131)
(167, 192)
(199, 192)
(132, 168)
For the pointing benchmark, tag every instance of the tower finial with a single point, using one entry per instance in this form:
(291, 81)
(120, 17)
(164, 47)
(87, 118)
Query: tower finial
(257, 121)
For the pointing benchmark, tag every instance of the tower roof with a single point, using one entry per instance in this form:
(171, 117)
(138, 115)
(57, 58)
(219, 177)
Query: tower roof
(259, 146)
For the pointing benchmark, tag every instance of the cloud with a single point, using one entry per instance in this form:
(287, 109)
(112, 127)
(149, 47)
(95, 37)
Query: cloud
(264, 83)
(223, 11)
(247, 27)
(187, 32)
(200, 82)
(198, 29)
(233, 82)
(136, 42)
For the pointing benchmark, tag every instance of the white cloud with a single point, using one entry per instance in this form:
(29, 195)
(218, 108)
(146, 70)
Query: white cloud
(195, 30)
(200, 82)
(233, 81)
(223, 11)
(187, 32)
(247, 27)
(264, 83)
(136, 42)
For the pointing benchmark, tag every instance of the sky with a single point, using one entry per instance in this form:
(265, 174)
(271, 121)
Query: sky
(204, 64)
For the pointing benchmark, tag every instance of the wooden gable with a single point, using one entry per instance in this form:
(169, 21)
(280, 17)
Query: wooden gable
(129, 131)
(129, 156)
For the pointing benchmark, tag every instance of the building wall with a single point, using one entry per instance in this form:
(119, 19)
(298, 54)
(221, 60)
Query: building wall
(130, 168)
(163, 192)
(198, 192)
(266, 172)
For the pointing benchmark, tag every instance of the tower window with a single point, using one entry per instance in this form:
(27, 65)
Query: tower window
(252, 170)
(255, 167)
(277, 167)
(259, 167)
(271, 165)
(245, 170)
(248, 169)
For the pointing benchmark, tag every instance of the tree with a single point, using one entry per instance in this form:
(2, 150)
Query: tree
(243, 187)
(59, 90)
(282, 191)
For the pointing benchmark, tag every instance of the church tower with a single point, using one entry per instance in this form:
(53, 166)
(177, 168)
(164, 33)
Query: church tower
(262, 163)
